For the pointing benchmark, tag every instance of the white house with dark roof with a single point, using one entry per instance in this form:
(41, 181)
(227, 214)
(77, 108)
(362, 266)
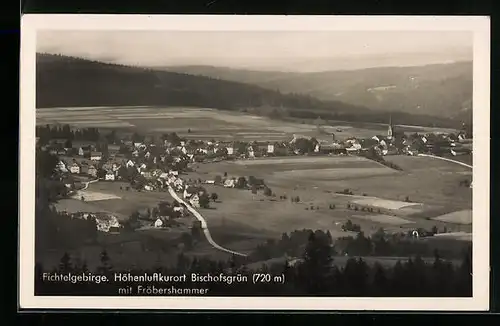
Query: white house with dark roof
(95, 156)
(110, 176)
(251, 152)
(74, 168)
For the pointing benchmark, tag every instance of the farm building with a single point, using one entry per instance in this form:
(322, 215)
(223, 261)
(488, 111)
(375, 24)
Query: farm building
(251, 153)
(110, 176)
(95, 156)
(158, 223)
(105, 222)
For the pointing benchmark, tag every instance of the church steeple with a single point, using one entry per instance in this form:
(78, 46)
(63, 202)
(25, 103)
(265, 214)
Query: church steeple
(390, 130)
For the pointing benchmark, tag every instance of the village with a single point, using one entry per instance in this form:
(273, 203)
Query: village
(152, 164)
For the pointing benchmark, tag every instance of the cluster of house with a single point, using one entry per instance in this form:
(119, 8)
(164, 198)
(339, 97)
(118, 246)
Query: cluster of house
(105, 222)
(152, 159)
(392, 144)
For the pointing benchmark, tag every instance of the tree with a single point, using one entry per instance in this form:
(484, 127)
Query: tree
(133, 222)
(317, 265)
(123, 173)
(380, 281)
(187, 240)
(434, 230)
(218, 179)
(241, 183)
(164, 209)
(304, 145)
(65, 265)
(45, 163)
(378, 235)
(106, 266)
(267, 191)
(214, 197)
(196, 233)
(204, 200)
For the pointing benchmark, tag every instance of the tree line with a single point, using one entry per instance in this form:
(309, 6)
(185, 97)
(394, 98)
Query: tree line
(315, 275)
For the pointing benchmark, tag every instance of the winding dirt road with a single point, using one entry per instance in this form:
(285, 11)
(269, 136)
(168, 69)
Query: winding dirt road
(204, 225)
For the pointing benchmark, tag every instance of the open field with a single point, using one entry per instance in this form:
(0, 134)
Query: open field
(384, 219)
(203, 123)
(383, 203)
(459, 217)
(94, 195)
(333, 174)
(431, 185)
(119, 201)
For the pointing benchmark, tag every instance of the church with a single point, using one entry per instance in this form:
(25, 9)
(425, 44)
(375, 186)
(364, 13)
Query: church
(390, 129)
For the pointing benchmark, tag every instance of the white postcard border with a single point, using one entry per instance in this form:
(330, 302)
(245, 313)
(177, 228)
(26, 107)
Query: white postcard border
(480, 26)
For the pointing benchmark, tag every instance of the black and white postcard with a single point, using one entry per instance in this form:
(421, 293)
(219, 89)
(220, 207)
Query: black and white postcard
(254, 162)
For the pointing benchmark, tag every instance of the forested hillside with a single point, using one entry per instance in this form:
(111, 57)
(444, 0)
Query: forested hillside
(66, 81)
(443, 90)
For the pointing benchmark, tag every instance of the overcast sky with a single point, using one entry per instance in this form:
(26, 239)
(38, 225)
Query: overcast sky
(286, 51)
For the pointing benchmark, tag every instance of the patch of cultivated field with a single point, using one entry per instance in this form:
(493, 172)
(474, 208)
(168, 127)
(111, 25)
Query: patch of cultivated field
(118, 201)
(307, 160)
(332, 174)
(384, 219)
(384, 203)
(424, 180)
(271, 168)
(75, 205)
(94, 195)
(462, 236)
(415, 164)
(459, 217)
(203, 122)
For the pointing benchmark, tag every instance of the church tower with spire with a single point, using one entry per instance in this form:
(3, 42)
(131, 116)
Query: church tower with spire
(390, 129)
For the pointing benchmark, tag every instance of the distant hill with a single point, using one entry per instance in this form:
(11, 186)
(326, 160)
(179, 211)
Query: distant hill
(443, 90)
(74, 82)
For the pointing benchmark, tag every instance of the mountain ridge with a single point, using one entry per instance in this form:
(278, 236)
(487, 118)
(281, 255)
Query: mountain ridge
(75, 82)
(442, 89)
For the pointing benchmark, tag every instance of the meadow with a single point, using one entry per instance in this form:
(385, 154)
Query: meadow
(431, 185)
(196, 123)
